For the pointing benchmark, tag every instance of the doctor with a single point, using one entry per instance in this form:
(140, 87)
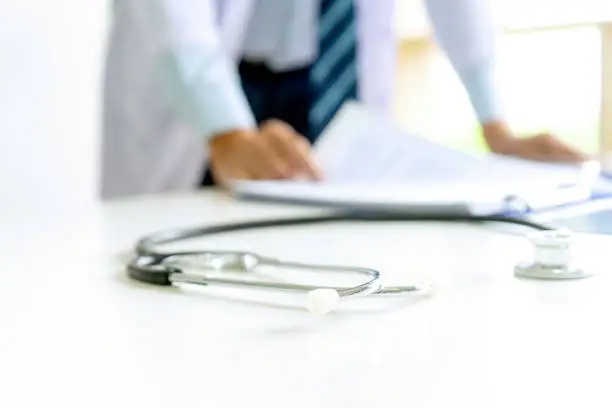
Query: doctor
(206, 91)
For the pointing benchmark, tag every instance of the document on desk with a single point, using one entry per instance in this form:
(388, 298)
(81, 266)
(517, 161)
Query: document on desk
(369, 161)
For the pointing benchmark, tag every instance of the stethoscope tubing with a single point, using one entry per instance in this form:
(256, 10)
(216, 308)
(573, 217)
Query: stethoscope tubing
(145, 245)
(149, 263)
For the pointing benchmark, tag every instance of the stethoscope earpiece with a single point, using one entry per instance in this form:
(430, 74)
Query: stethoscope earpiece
(323, 301)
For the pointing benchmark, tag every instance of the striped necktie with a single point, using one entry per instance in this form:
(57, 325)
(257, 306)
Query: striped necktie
(334, 73)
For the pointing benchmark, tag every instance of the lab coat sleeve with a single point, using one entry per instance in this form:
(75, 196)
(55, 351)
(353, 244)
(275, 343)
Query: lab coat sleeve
(197, 71)
(467, 31)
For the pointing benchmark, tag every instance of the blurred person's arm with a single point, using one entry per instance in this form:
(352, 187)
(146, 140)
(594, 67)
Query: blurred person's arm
(204, 86)
(469, 34)
(199, 75)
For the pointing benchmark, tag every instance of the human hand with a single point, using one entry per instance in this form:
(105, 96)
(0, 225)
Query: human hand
(275, 151)
(539, 147)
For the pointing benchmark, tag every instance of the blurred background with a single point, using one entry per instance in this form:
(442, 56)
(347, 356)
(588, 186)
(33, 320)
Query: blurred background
(51, 64)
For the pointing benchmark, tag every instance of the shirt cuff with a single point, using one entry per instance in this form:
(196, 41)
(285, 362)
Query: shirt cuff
(205, 90)
(484, 92)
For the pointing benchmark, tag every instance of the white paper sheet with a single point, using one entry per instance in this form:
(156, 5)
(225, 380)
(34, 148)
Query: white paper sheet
(369, 161)
(361, 146)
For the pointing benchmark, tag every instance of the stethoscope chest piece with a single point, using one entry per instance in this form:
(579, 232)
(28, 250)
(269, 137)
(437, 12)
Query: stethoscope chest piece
(553, 258)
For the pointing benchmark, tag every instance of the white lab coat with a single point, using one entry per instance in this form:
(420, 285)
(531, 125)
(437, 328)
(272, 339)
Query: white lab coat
(147, 147)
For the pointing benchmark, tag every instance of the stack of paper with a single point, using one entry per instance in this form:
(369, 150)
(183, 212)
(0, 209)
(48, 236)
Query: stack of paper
(368, 161)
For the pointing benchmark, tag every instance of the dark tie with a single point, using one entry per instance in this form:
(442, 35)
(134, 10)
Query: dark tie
(334, 73)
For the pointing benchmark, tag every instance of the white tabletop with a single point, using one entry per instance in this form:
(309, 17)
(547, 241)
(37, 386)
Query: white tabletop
(75, 332)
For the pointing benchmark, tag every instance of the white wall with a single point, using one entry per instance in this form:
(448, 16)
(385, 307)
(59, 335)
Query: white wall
(50, 70)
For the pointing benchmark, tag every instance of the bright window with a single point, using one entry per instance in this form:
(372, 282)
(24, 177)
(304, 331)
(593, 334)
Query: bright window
(551, 78)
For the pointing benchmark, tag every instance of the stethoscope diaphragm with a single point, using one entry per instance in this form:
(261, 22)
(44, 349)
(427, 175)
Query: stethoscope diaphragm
(553, 257)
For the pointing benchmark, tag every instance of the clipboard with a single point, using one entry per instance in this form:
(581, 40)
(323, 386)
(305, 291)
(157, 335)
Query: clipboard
(370, 163)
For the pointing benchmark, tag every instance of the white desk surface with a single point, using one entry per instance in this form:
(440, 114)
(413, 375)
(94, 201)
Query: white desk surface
(75, 332)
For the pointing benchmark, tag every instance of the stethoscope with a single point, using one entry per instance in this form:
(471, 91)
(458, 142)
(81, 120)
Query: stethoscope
(552, 258)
